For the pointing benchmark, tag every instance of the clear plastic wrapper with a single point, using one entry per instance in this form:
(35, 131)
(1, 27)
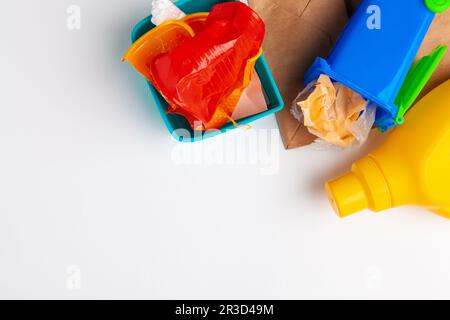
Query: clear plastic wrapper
(334, 113)
(164, 10)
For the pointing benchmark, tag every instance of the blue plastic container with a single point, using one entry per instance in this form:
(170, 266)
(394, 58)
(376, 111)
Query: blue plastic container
(178, 125)
(374, 60)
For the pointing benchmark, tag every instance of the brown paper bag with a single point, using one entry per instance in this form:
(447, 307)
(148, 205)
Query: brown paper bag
(298, 31)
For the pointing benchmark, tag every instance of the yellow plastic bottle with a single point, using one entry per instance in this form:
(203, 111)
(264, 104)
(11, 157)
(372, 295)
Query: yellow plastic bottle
(411, 168)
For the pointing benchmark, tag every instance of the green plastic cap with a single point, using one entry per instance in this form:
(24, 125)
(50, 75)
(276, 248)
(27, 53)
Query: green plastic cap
(438, 6)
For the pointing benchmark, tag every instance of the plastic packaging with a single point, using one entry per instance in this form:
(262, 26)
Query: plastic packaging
(252, 100)
(376, 50)
(200, 75)
(164, 10)
(203, 76)
(411, 168)
(179, 128)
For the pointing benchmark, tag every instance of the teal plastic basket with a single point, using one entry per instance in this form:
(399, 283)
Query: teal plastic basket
(178, 125)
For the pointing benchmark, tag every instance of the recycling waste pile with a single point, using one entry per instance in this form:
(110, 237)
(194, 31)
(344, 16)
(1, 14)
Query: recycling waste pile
(375, 61)
(201, 67)
(204, 62)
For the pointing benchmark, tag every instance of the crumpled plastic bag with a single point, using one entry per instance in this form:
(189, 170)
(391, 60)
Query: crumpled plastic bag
(164, 10)
(251, 101)
(334, 112)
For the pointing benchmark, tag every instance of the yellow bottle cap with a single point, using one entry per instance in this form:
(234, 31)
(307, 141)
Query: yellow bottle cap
(347, 195)
(365, 187)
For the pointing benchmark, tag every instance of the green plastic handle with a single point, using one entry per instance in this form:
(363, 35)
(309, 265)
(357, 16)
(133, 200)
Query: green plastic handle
(415, 81)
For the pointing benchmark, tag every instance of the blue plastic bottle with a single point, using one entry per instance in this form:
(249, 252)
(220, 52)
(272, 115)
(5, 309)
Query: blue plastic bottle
(376, 51)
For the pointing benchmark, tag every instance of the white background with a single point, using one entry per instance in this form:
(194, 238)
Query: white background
(93, 204)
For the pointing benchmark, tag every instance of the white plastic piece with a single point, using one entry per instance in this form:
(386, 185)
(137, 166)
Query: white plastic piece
(164, 10)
